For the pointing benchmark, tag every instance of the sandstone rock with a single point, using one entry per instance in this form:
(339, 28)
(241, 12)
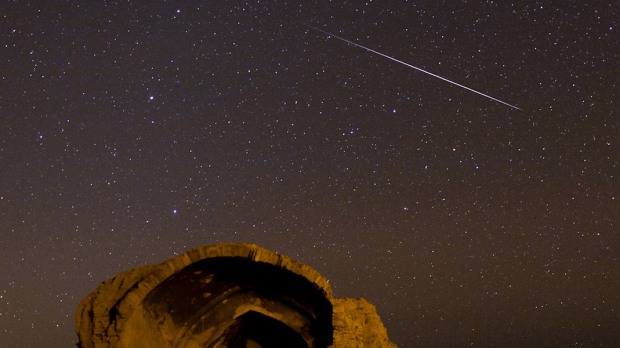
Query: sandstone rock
(357, 325)
(225, 295)
(98, 312)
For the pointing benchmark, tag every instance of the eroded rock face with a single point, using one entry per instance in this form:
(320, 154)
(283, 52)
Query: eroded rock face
(357, 324)
(225, 295)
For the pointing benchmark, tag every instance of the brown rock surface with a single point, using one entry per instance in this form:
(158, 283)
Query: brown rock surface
(357, 325)
(225, 295)
(97, 314)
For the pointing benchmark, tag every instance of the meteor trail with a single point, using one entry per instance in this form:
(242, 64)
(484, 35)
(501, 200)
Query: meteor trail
(409, 65)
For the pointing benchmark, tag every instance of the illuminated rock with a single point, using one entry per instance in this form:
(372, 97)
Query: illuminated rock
(225, 295)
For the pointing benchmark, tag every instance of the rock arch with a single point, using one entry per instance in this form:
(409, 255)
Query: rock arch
(224, 295)
(257, 330)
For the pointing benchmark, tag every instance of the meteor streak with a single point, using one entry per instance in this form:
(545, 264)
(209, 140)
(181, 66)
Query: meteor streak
(409, 65)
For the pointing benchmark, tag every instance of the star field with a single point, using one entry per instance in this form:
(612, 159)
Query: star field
(131, 132)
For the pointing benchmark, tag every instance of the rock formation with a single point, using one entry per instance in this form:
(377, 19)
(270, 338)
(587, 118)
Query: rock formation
(232, 295)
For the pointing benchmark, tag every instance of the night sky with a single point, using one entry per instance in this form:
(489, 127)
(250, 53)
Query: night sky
(131, 132)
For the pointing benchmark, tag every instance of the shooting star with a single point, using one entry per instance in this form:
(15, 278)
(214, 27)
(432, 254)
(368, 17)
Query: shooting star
(409, 65)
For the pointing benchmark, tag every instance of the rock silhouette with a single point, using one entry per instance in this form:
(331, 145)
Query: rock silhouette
(233, 295)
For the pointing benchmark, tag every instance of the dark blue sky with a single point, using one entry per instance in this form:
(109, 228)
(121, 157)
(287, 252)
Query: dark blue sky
(131, 132)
